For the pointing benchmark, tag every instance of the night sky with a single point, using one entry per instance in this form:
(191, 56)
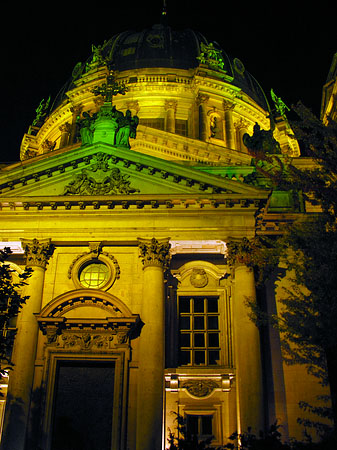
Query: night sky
(288, 50)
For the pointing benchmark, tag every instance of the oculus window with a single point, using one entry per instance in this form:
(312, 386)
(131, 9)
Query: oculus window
(94, 274)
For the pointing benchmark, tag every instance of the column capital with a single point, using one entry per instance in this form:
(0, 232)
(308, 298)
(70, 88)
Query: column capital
(228, 105)
(240, 253)
(202, 99)
(37, 252)
(171, 104)
(155, 252)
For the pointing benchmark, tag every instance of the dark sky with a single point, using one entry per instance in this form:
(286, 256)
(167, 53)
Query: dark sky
(289, 50)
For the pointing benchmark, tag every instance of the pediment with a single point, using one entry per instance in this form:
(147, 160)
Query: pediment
(104, 170)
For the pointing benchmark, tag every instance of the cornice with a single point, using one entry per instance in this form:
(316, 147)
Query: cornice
(135, 202)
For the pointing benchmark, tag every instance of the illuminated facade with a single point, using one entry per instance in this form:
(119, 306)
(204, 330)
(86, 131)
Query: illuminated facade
(124, 212)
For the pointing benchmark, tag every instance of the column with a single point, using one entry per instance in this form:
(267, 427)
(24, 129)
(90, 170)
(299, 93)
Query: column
(21, 377)
(76, 112)
(170, 108)
(229, 125)
(202, 100)
(155, 257)
(249, 389)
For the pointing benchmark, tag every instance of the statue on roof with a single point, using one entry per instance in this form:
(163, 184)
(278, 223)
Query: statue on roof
(211, 56)
(280, 106)
(41, 112)
(110, 88)
(262, 142)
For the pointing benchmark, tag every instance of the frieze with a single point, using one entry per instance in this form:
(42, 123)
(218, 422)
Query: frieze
(85, 340)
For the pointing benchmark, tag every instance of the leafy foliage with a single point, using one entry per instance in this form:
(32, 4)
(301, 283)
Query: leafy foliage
(11, 302)
(308, 249)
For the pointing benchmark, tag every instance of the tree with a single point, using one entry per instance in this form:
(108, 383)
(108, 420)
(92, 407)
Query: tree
(11, 301)
(308, 321)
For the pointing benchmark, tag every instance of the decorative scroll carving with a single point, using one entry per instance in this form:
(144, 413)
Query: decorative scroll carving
(199, 278)
(37, 252)
(199, 388)
(155, 252)
(100, 179)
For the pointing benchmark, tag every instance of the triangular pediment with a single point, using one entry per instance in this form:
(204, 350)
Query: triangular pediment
(102, 169)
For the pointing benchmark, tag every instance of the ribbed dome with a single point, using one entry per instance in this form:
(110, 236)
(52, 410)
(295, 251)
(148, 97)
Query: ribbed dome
(160, 46)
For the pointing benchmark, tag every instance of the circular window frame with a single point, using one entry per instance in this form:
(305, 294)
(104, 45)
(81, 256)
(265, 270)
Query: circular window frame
(83, 261)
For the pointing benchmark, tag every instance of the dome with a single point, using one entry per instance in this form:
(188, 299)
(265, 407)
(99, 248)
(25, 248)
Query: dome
(161, 46)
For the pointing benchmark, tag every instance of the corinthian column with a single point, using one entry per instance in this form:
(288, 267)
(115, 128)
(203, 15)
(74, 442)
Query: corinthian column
(229, 125)
(202, 100)
(247, 343)
(171, 107)
(24, 351)
(155, 257)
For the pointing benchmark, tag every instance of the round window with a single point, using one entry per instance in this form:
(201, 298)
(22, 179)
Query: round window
(94, 274)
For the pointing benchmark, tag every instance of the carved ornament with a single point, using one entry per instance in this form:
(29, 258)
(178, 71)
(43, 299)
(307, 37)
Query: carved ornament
(100, 179)
(199, 278)
(155, 252)
(199, 388)
(37, 252)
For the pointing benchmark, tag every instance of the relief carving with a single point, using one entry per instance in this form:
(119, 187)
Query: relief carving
(199, 388)
(100, 179)
(199, 278)
(85, 340)
(37, 252)
(155, 252)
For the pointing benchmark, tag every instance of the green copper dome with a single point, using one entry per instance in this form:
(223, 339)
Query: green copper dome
(161, 46)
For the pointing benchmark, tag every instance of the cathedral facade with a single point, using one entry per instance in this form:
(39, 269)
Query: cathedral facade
(130, 186)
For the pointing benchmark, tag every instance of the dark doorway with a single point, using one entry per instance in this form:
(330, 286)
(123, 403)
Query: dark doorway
(83, 405)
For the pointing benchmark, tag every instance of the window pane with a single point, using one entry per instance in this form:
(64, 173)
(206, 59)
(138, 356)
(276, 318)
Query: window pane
(185, 357)
(198, 304)
(185, 323)
(185, 340)
(199, 340)
(206, 425)
(199, 357)
(199, 323)
(184, 304)
(213, 322)
(212, 304)
(213, 357)
(213, 340)
(192, 425)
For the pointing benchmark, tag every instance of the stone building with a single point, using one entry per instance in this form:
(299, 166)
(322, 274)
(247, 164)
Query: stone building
(130, 184)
